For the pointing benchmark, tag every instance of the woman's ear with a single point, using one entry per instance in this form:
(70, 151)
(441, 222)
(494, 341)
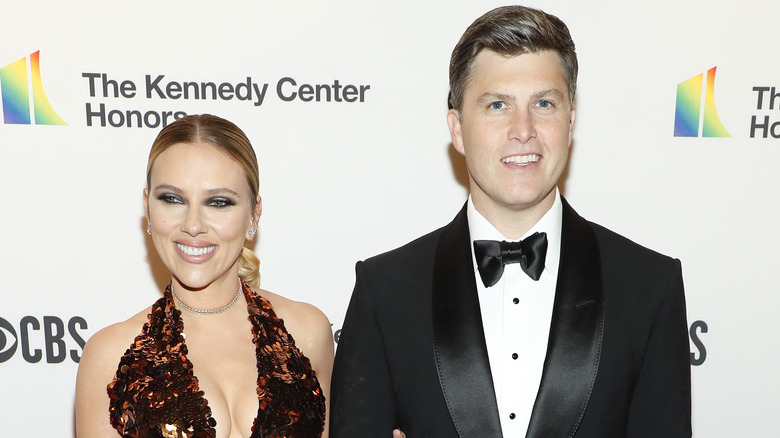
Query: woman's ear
(254, 219)
(146, 212)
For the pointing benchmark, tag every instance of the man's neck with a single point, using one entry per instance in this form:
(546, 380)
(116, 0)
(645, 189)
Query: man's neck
(513, 223)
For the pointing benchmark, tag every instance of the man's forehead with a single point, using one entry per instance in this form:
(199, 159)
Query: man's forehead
(490, 66)
(487, 53)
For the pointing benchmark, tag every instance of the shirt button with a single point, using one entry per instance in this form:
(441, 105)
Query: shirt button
(512, 416)
(515, 300)
(514, 356)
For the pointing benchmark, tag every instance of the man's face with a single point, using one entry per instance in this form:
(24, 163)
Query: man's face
(515, 130)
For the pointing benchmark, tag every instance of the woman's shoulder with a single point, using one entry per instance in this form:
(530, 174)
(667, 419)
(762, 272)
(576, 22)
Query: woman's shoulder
(97, 368)
(98, 365)
(306, 323)
(298, 311)
(109, 343)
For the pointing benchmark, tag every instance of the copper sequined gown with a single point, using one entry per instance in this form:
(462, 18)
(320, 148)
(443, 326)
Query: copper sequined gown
(155, 393)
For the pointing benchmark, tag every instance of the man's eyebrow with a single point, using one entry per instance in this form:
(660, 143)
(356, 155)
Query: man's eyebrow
(495, 96)
(492, 96)
(551, 92)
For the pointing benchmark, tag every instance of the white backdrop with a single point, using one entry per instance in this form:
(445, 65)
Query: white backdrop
(342, 181)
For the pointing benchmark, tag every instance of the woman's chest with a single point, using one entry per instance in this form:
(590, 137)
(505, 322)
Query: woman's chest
(227, 374)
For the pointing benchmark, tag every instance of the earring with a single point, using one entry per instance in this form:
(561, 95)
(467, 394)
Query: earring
(252, 230)
(149, 229)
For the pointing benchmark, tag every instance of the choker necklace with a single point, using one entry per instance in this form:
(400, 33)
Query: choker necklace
(207, 312)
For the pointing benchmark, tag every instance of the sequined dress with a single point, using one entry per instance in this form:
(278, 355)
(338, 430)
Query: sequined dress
(155, 393)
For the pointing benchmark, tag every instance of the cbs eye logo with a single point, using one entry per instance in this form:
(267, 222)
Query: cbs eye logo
(52, 333)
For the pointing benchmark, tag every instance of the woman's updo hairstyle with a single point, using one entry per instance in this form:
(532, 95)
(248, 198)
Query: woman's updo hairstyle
(230, 139)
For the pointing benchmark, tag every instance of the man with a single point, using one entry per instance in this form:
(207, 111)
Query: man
(576, 331)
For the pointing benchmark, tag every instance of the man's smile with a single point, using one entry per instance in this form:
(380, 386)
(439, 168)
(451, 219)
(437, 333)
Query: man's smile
(522, 160)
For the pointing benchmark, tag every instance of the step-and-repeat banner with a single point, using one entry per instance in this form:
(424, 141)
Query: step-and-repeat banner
(677, 140)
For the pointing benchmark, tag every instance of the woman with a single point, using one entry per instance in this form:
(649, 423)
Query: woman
(215, 356)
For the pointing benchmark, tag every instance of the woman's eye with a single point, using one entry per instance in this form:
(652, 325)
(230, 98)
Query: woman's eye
(170, 199)
(220, 202)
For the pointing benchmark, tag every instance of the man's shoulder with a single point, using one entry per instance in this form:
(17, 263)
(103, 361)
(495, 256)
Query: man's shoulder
(618, 247)
(421, 248)
(610, 243)
(402, 269)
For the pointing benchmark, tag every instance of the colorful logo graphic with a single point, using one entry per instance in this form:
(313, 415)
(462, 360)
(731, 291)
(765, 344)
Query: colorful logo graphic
(15, 92)
(689, 112)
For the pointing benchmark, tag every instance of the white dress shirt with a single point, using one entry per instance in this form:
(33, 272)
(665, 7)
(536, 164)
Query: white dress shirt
(516, 315)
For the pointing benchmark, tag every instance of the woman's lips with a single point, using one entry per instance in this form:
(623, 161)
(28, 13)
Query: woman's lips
(196, 253)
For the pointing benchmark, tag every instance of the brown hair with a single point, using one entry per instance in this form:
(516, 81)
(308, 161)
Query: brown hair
(230, 139)
(511, 31)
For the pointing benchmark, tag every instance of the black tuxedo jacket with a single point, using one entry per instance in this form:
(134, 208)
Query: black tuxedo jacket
(412, 351)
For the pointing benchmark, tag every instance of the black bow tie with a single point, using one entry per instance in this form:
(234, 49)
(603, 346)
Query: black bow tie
(493, 255)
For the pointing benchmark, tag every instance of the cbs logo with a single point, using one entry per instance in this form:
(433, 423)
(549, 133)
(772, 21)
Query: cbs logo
(56, 337)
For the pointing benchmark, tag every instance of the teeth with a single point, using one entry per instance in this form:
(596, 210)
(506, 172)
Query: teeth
(190, 250)
(522, 159)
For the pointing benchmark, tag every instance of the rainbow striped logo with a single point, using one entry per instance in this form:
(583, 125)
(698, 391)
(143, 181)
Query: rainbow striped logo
(689, 113)
(15, 91)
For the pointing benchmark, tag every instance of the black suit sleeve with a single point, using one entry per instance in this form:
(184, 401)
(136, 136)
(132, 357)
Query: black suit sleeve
(661, 404)
(362, 403)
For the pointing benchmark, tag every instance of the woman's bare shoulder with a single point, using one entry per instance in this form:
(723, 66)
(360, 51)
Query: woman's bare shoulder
(111, 342)
(295, 312)
(306, 323)
(313, 335)
(97, 367)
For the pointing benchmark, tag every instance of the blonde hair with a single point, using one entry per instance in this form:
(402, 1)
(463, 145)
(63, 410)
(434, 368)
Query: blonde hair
(230, 139)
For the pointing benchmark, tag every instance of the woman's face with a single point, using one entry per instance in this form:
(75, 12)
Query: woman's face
(199, 207)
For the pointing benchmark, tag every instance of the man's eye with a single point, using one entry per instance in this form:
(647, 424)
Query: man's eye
(497, 105)
(544, 104)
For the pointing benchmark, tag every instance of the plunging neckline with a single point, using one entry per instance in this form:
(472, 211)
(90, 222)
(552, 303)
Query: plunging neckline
(155, 386)
(202, 398)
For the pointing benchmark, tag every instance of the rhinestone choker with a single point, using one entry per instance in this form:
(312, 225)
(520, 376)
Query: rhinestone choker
(207, 312)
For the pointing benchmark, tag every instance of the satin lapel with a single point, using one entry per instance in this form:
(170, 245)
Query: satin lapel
(574, 346)
(458, 337)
